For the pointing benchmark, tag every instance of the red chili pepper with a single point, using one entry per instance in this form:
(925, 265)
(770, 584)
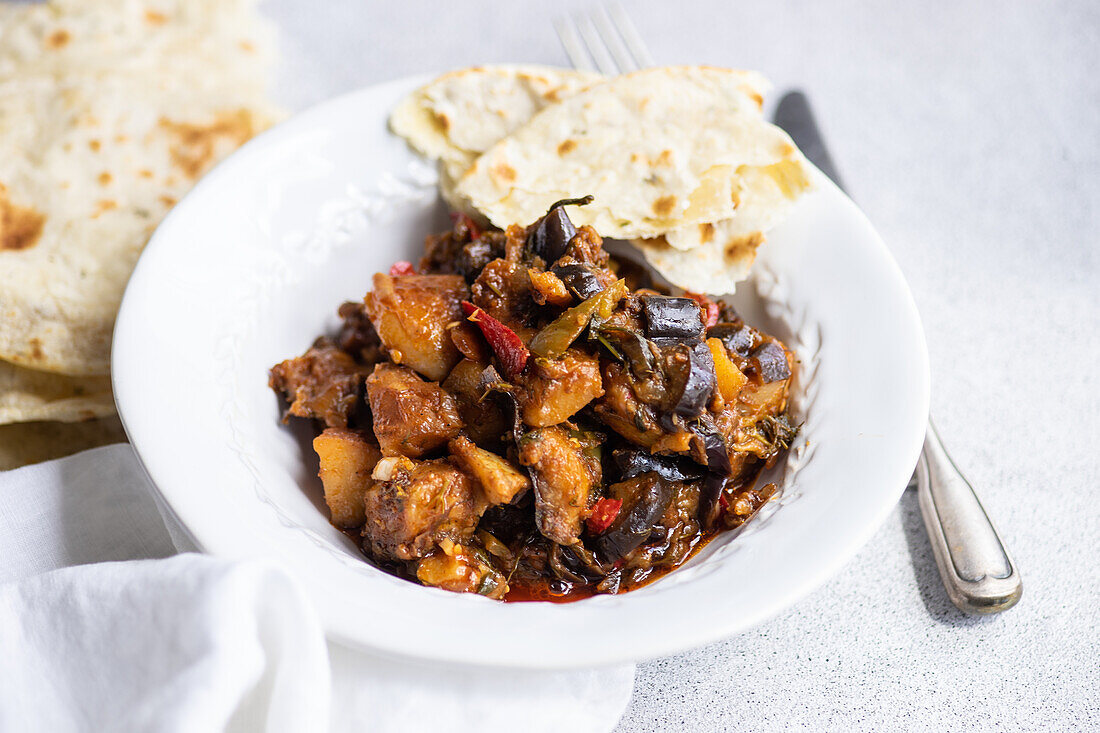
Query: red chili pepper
(709, 307)
(471, 227)
(723, 502)
(603, 514)
(402, 267)
(508, 347)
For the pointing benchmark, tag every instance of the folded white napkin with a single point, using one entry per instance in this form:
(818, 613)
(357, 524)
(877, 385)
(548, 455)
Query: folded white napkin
(193, 643)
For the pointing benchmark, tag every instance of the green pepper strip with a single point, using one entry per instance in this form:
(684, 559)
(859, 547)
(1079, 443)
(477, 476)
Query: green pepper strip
(552, 341)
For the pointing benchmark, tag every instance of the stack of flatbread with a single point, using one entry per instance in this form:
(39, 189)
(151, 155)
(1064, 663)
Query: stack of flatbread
(680, 159)
(110, 110)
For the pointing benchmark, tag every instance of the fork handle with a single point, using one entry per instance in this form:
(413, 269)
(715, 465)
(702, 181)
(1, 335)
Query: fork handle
(974, 564)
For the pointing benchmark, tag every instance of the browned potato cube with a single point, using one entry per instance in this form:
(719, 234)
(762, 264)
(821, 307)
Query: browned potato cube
(322, 383)
(411, 314)
(415, 505)
(347, 461)
(555, 390)
(459, 570)
(411, 416)
(501, 482)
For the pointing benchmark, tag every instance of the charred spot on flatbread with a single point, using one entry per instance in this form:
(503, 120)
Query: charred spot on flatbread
(58, 38)
(197, 144)
(505, 172)
(20, 226)
(664, 206)
(736, 250)
(706, 232)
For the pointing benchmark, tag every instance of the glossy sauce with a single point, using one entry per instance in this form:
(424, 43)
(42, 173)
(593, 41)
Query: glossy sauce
(562, 591)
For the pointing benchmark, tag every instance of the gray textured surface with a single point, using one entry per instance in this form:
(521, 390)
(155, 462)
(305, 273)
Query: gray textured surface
(970, 134)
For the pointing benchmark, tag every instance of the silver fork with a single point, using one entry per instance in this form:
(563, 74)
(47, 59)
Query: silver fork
(610, 44)
(977, 571)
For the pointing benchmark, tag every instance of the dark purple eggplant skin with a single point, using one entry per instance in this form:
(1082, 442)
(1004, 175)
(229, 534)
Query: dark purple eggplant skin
(579, 279)
(666, 317)
(553, 232)
(738, 338)
(634, 524)
(640, 353)
(473, 257)
(552, 235)
(771, 362)
(491, 383)
(718, 458)
(709, 494)
(695, 385)
(633, 463)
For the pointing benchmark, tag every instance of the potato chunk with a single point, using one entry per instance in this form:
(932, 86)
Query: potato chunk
(322, 383)
(564, 477)
(411, 416)
(421, 504)
(500, 481)
(555, 390)
(503, 290)
(411, 313)
(460, 570)
(347, 461)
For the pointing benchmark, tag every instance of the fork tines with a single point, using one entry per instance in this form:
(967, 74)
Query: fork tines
(605, 40)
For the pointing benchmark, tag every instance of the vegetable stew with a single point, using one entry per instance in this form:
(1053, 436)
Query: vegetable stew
(525, 417)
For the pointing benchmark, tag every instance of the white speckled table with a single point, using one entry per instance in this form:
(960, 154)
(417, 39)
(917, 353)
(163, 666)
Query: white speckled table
(970, 134)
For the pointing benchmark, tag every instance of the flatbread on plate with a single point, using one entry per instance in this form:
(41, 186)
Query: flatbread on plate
(660, 149)
(458, 116)
(714, 257)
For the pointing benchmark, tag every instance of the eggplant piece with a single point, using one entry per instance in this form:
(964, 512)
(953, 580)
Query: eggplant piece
(633, 463)
(563, 474)
(678, 318)
(633, 347)
(579, 279)
(718, 458)
(490, 382)
(696, 381)
(738, 339)
(553, 232)
(709, 494)
(651, 495)
(473, 257)
(771, 362)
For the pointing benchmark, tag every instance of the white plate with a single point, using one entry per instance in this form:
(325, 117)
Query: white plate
(252, 265)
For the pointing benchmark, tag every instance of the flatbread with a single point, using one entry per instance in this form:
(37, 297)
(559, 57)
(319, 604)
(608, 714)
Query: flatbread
(660, 149)
(714, 257)
(458, 116)
(26, 443)
(27, 395)
(464, 113)
(109, 113)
